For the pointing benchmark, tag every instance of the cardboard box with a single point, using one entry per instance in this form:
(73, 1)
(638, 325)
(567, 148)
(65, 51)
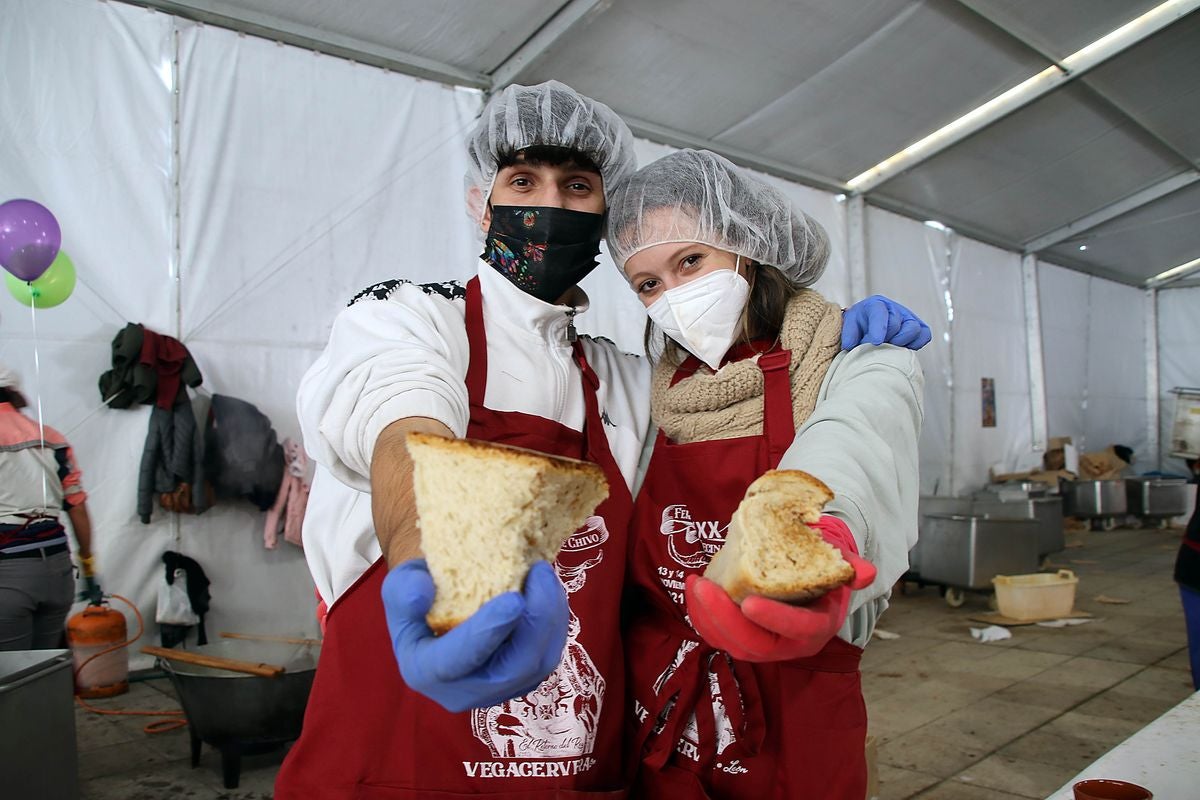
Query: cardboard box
(1050, 477)
(1055, 456)
(1104, 465)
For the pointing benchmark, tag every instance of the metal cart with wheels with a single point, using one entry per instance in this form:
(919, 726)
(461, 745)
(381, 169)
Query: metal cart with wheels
(961, 553)
(1102, 502)
(1155, 500)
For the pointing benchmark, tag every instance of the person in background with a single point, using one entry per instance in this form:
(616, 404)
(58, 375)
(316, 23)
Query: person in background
(1187, 575)
(38, 481)
(762, 699)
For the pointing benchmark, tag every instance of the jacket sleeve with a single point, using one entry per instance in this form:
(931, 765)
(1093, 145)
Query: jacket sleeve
(151, 455)
(404, 356)
(861, 440)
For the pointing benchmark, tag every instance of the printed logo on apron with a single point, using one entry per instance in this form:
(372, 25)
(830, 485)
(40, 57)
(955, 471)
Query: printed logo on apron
(692, 543)
(559, 718)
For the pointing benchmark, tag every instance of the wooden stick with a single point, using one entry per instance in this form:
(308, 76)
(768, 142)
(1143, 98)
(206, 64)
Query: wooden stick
(217, 662)
(262, 637)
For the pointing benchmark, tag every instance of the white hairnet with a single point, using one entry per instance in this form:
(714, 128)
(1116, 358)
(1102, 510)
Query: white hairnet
(9, 378)
(549, 114)
(698, 196)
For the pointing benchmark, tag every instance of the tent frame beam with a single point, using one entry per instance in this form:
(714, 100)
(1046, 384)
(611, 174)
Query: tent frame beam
(1113, 210)
(1006, 103)
(1125, 204)
(677, 138)
(214, 12)
(572, 14)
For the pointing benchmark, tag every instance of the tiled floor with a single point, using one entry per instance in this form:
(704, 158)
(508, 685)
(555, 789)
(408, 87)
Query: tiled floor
(955, 719)
(1017, 719)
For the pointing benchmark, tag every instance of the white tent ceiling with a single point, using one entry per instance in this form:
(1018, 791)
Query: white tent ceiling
(1101, 174)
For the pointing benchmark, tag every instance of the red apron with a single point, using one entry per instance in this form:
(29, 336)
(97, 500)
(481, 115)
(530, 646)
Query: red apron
(794, 729)
(368, 736)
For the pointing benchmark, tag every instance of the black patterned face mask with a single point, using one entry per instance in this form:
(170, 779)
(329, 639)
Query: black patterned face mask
(543, 250)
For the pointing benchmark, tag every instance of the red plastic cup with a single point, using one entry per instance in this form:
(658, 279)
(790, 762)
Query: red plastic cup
(1110, 790)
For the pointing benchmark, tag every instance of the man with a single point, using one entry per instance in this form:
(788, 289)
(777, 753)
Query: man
(540, 672)
(38, 480)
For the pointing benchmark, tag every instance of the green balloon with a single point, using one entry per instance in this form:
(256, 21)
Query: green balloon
(51, 288)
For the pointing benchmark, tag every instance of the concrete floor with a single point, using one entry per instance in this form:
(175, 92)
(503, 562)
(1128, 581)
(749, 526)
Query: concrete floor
(955, 719)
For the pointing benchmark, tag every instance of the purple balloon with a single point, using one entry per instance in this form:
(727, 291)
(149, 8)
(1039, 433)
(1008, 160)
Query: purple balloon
(29, 238)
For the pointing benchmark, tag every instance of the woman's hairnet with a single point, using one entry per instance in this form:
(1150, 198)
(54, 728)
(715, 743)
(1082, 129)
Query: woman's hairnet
(698, 196)
(549, 114)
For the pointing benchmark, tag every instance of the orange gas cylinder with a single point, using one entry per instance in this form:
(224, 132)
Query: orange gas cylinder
(92, 631)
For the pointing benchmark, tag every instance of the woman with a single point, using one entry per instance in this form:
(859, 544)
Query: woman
(762, 700)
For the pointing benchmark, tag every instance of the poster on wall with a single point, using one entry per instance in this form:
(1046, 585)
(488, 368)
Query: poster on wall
(1185, 432)
(988, 392)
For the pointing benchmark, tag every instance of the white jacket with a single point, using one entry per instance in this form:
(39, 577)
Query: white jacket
(401, 351)
(861, 440)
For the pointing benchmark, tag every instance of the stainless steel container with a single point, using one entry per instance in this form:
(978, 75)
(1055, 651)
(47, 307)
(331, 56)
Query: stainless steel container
(931, 504)
(1157, 497)
(1090, 499)
(968, 551)
(1046, 512)
(37, 725)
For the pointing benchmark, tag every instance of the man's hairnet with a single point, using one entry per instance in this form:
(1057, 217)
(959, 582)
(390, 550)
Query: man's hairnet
(9, 378)
(698, 196)
(549, 114)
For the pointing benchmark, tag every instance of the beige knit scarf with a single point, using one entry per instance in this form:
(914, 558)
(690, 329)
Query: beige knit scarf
(729, 403)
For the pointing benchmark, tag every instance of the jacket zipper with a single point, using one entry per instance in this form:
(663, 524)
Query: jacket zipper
(572, 336)
(565, 372)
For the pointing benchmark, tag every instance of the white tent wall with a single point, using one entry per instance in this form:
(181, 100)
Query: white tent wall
(1095, 383)
(911, 262)
(85, 118)
(989, 341)
(302, 179)
(1116, 389)
(1178, 360)
(1063, 301)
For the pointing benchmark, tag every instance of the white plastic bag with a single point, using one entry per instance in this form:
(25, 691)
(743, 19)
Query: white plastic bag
(174, 607)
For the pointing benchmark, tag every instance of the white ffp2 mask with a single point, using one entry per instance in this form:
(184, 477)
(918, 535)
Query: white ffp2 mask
(703, 315)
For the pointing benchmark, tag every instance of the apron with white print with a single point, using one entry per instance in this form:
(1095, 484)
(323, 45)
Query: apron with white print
(706, 725)
(368, 736)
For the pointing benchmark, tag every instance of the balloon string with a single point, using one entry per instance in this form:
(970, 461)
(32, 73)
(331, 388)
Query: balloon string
(37, 372)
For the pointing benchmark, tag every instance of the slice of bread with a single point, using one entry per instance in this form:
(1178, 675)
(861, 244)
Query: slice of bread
(487, 512)
(770, 551)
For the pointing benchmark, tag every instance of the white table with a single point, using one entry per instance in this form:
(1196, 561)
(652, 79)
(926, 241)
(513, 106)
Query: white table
(1161, 756)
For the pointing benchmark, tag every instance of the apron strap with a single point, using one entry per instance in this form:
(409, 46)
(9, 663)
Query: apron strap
(477, 341)
(674, 701)
(779, 427)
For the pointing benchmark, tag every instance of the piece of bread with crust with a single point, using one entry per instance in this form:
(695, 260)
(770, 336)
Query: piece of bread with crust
(769, 549)
(487, 512)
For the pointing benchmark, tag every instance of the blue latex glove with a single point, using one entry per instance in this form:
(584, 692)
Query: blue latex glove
(503, 650)
(880, 320)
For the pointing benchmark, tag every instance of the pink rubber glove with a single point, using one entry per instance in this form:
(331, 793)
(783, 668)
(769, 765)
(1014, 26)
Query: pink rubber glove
(769, 630)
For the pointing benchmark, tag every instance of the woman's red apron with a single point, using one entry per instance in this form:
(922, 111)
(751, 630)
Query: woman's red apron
(793, 729)
(367, 735)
